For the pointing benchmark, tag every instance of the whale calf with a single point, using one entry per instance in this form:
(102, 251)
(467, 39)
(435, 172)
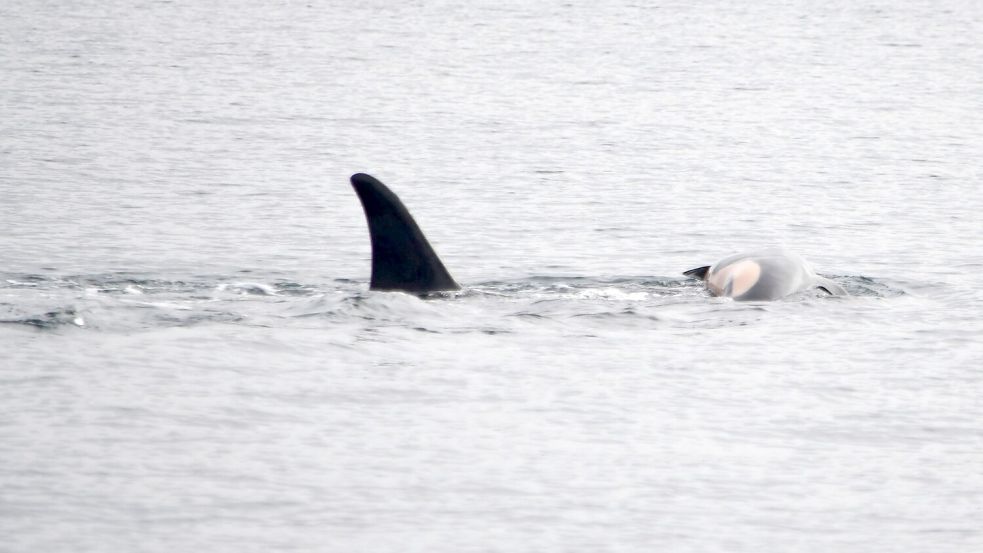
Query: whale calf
(403, 260)
(762, 276)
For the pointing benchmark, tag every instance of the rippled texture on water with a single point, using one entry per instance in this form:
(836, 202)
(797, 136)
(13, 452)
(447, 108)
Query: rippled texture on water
(190, 357)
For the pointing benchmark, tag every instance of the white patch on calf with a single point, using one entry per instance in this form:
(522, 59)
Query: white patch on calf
(735, 279)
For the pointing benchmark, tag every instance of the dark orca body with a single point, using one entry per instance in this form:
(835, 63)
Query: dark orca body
(402, 259)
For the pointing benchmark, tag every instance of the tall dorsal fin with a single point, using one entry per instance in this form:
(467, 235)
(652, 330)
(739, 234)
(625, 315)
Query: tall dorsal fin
(402, 259)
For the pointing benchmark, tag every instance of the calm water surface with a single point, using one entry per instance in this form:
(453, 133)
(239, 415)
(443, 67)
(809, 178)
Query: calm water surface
(190, 358)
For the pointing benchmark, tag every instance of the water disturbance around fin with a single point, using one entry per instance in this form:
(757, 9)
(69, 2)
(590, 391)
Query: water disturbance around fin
(402, 259)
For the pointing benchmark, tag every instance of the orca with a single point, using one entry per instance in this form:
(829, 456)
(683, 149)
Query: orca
(762, 276)
(402, 259)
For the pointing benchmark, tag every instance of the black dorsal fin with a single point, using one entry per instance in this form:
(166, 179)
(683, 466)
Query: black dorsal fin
(699, 273)
(402, 259)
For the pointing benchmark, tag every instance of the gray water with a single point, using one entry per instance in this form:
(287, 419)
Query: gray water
(190, 358)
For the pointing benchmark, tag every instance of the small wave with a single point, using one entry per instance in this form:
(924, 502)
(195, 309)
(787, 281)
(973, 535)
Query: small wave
(589, 288)
(48, 320)
(862, 286)
(624, 314)
(295, 289)
(158, 305)
(248, 288)
(16, 283)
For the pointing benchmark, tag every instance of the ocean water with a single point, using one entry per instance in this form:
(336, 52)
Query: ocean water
(190, 358)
